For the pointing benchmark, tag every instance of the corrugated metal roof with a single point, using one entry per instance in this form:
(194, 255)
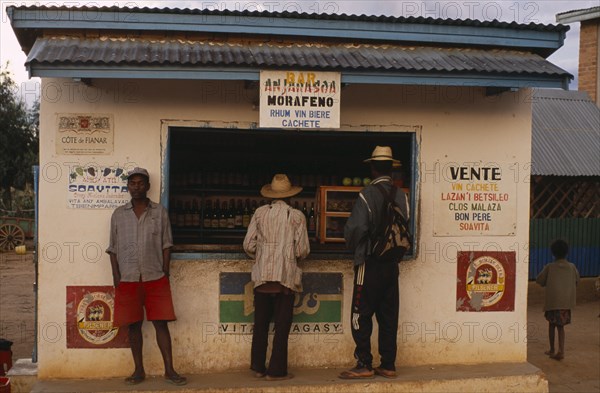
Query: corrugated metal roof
(565, 134)
(315, 56)
(322, 16)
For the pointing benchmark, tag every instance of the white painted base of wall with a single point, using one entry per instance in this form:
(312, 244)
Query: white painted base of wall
(497, 377)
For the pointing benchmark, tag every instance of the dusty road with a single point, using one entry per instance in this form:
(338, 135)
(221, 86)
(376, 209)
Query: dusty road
(578, 372)
(17, 275)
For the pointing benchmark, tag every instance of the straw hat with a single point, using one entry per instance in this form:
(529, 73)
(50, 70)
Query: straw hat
(280, 187)
(382, 153)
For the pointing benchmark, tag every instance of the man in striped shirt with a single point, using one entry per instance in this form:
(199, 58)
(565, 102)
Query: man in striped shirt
(277, 237)
(375, 282)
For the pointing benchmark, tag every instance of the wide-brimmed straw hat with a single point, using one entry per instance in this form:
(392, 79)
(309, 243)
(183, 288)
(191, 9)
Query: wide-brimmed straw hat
(280, 187)
(382, 153)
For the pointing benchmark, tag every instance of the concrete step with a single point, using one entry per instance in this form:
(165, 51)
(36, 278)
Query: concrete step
(496, 377)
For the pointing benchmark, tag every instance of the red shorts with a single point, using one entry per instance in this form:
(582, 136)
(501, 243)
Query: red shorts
(132, 297)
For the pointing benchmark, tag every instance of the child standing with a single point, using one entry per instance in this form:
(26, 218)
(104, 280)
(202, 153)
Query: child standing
(560, 278)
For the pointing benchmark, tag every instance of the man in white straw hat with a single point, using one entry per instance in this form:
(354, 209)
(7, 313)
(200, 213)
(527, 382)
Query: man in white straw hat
(375, 282)
(277, 237)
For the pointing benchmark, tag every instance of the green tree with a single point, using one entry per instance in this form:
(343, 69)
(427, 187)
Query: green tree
(18, 139)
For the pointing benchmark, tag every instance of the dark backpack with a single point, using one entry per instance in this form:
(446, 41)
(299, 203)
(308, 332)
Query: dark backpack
(392, 239)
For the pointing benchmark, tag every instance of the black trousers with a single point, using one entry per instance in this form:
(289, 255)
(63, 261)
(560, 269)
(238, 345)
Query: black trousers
(280, 308)
(375, 292)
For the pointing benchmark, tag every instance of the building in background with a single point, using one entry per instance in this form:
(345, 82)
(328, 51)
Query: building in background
(589, 55)
(565, 179)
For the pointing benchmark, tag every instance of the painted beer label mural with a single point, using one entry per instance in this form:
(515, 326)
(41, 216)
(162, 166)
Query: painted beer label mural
(84, 134)
(90, 311)
(317, 310)
(485, 281)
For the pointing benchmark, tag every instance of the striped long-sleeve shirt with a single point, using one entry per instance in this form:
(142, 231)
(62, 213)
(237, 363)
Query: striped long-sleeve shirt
(276, 239)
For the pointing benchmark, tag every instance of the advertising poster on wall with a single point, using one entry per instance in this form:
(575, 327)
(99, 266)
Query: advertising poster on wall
(485, 281)
(90, 311)
(475, 200)
(84, 134)
(317, 310)
(300, 99)
(97, 186)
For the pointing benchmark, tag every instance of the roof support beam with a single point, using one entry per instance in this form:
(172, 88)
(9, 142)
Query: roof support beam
(251, 74)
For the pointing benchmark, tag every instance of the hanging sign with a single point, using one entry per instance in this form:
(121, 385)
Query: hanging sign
(475, 199)
(300, 99)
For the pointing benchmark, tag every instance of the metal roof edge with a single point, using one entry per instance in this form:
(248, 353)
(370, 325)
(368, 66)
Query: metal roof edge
(578, 15)
(542, 38)
(253, 74)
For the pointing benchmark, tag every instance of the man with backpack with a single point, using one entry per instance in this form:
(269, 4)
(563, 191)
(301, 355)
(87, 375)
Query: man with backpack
(377, 233)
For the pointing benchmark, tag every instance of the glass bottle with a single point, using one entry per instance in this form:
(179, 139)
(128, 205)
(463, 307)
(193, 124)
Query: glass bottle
(207, 219)
(231, 214)
(196, 219)
(216, 215)
(180, 221)
(311, 217)
(246, 214)
(223, 216)
(239, 215)
(188, 216)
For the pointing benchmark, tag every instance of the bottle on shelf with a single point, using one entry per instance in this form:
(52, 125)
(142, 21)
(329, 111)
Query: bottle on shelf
(311, 217)
(173, 212)
(305, 211)
(207, 217)
(254, 207)
(216, 215)
(239, 215)
(223, 216)
(196, 214)
(180, 221)
(188, 216)
(246, 214)
(231, 215)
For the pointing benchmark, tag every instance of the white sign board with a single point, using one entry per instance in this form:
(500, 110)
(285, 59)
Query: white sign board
(300, 99)
(475, 200)
(84, 134)
(97, 186)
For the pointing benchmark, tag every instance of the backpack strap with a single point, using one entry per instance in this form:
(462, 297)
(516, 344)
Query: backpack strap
(386, 200)
(390, 197)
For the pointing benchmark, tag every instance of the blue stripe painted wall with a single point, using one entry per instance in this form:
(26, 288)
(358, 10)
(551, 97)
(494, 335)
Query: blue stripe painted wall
(582, 234)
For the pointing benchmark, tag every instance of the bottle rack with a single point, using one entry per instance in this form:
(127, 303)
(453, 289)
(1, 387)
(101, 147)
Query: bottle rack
(188, 230)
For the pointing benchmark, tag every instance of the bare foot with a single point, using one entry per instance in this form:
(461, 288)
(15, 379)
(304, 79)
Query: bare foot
(550, 352)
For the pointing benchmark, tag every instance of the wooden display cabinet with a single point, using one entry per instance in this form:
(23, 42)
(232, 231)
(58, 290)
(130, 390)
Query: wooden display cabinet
(334, 207)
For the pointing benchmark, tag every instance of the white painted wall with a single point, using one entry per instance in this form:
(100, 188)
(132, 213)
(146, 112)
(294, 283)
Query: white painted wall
(458, 124)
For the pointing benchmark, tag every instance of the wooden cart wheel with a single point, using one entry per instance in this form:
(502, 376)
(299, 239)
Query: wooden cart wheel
(11, 236)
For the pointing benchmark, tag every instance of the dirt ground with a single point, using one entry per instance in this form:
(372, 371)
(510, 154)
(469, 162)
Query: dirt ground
(578, 372)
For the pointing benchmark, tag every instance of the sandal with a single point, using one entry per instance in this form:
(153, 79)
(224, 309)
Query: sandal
(357, 373)
(549, 353)
(135, 379)
(176, 380)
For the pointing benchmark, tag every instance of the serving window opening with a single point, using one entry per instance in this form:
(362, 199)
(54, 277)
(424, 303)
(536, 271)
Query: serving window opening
(215, 177)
